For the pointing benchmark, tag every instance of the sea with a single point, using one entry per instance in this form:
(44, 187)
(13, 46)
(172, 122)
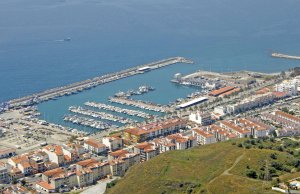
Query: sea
(51, 43)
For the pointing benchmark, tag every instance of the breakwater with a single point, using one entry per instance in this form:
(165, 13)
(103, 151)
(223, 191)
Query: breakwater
(280, 55)
(90, 83)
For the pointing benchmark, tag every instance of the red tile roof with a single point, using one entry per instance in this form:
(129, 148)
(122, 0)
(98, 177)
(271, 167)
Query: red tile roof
(95, 143)
(53, 172)
(286, 115)
(203, 133)
(45, 185)
(221, 91)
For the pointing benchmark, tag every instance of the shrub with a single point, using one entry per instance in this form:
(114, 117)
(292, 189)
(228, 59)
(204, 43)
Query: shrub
(251, 173)
(273, 156)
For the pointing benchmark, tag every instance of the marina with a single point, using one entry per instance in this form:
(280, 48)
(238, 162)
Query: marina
(100, 115)
(88, 122)
(119, 110)
(140, 91)
(141, 104)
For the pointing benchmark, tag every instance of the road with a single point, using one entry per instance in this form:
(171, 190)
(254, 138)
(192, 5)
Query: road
(99, 188)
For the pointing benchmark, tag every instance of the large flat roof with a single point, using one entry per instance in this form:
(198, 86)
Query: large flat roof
(192, 102)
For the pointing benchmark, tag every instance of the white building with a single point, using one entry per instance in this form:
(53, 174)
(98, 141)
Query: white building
(95, 147)
(288, 86)
(220, 110)
(202, 118)
(113, 143)
(251, 102)
(203, 137)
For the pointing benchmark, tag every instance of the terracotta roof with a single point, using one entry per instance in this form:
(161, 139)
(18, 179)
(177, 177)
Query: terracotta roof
(83, 171)
(263, 91)
(235, 127)
(25, 164)
(53, 172)
(87, 162)
(45, 185)
(7, 150)
(19, 159)
(67, 158)
(230, 92)
(144, 145)
(251, 124)
(118, 153)
(95, 143)
(279, 94)
(154, 126)
(203, 133)
(289, 116)
(54, 148)
(221, 90)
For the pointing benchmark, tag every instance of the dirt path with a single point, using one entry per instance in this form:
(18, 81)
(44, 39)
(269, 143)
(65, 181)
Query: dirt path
(226, 172)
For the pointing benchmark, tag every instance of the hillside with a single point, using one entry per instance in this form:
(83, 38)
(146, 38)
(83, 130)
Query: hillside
(227, 167)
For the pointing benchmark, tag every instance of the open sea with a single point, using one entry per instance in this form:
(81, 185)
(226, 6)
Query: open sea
(111, 35)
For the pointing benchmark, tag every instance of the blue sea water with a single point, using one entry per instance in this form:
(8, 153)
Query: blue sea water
(110, 35)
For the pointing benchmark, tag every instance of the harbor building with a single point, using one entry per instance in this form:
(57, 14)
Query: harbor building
(220, 91)
(192, 102)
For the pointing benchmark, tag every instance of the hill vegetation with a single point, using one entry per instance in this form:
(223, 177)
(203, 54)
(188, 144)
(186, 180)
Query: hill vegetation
(239, 166)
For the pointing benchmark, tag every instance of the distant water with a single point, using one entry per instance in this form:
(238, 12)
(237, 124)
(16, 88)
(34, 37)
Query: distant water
(110, 35)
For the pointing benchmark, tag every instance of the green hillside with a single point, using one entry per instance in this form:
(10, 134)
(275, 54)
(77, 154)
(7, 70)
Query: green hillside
(227, 167)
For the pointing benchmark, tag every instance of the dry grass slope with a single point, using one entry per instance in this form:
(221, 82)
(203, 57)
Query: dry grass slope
(198, 170)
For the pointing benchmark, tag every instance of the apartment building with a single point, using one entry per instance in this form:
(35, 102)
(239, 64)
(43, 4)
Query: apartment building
(153, 130)
(95, 146)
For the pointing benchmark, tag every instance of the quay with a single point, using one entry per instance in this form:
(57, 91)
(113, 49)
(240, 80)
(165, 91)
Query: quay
(119, 110)
(280, 55)
(90, 83)
(140, 104)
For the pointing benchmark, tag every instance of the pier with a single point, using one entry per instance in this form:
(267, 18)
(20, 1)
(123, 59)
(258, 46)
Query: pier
(140, 104)
(280, 55)
(119, 110)
(87, 122)
(90, 83)
(100, 115)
